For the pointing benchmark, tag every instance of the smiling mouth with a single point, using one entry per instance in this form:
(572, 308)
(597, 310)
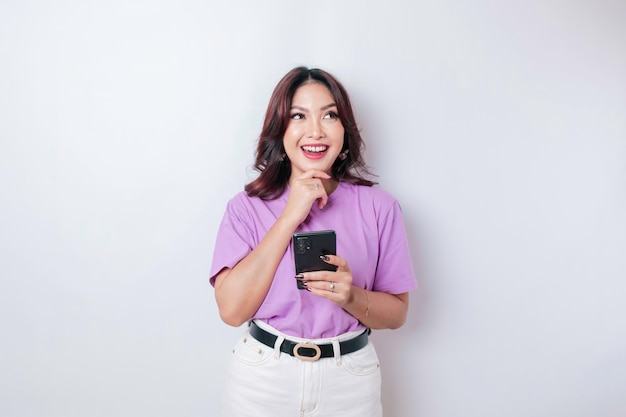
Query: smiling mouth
(315, 149)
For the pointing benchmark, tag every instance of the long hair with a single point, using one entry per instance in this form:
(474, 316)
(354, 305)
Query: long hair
(270, 160)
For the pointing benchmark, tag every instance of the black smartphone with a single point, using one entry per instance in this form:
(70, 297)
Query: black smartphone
(307, 249)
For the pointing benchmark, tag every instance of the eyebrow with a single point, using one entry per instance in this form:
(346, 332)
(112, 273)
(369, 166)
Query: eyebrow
(326, 107)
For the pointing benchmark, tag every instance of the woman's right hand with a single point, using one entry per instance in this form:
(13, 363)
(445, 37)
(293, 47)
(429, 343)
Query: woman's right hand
(305, 190)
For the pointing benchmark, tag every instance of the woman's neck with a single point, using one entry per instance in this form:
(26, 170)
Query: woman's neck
(330, 185)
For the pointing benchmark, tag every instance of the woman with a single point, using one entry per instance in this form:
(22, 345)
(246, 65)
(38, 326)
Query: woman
(312, 177)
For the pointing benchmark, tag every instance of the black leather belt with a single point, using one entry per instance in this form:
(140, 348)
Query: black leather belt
(309, 351)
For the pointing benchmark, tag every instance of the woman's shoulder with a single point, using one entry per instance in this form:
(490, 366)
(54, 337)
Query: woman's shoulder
(241, 197)
(243, 201)
(372, 193)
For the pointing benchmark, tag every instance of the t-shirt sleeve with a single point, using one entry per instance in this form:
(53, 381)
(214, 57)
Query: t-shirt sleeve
(394, 272)
(234, 239)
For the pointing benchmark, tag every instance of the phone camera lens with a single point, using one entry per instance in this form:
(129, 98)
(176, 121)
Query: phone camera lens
(302, 245)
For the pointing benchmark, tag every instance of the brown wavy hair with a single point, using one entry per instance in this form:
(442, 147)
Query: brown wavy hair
(270, 159)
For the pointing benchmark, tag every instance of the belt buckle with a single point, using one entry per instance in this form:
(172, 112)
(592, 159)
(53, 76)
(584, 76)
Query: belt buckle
(318, 352)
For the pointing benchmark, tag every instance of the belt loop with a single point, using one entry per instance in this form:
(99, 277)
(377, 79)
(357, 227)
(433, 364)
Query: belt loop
(337, 351)
(279, 341)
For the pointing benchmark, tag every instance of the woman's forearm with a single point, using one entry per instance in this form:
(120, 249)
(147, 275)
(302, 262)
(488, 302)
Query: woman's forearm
(378, 310)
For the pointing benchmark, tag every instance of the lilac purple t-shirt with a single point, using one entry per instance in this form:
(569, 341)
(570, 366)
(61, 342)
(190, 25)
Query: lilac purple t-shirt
(370, 236)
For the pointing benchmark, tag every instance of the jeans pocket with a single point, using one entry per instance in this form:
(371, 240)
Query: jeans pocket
(252, 352)
(362, 362)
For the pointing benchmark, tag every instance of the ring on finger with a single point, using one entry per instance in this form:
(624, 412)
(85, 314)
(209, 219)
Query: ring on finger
(332, 287)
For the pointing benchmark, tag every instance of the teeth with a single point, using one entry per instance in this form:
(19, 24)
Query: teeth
(314, 148)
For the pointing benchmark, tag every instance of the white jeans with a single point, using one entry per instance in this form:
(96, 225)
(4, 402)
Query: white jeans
(263, 381)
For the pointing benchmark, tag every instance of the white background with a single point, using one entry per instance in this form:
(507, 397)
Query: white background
(126, 126)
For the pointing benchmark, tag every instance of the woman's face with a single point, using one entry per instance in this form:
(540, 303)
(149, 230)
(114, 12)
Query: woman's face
(314, 135)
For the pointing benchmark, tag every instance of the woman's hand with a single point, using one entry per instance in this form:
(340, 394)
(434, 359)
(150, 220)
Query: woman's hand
(376, 310)
(304, 191)
(333, 285)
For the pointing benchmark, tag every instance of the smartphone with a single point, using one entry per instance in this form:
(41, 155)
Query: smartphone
(307, 249)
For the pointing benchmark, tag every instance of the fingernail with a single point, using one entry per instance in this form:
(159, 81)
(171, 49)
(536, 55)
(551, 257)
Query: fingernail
(325, 258)
(300, 276)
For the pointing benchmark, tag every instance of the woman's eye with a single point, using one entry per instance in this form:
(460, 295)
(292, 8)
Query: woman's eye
(331, 115)
(297, 116)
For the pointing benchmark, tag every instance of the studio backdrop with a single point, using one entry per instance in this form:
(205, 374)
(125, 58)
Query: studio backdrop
(125, 127)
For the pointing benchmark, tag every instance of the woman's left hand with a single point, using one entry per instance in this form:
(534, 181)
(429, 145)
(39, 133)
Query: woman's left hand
(335, 286)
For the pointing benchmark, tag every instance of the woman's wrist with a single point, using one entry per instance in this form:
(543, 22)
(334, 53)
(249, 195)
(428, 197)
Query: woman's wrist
(366, 313)
(285, 223)
(358, 305)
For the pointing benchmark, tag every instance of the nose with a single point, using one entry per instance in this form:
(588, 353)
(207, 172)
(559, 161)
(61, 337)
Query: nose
(314, 129)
